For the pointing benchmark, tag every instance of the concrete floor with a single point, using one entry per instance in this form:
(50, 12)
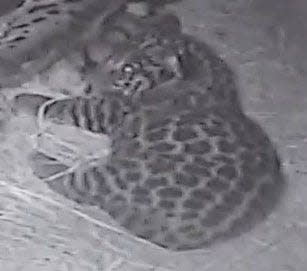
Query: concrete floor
(40, 230)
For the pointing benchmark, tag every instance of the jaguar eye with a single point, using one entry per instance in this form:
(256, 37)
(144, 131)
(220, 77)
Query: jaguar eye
(127, 68)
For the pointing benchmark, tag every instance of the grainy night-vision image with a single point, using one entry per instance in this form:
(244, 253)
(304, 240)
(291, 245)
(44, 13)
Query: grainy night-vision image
(152, 135)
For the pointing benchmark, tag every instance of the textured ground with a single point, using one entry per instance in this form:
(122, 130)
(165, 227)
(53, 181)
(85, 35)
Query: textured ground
(39, 230)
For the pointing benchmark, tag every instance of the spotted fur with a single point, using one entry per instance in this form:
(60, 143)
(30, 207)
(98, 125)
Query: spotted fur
(177, 175)
(187, 167)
